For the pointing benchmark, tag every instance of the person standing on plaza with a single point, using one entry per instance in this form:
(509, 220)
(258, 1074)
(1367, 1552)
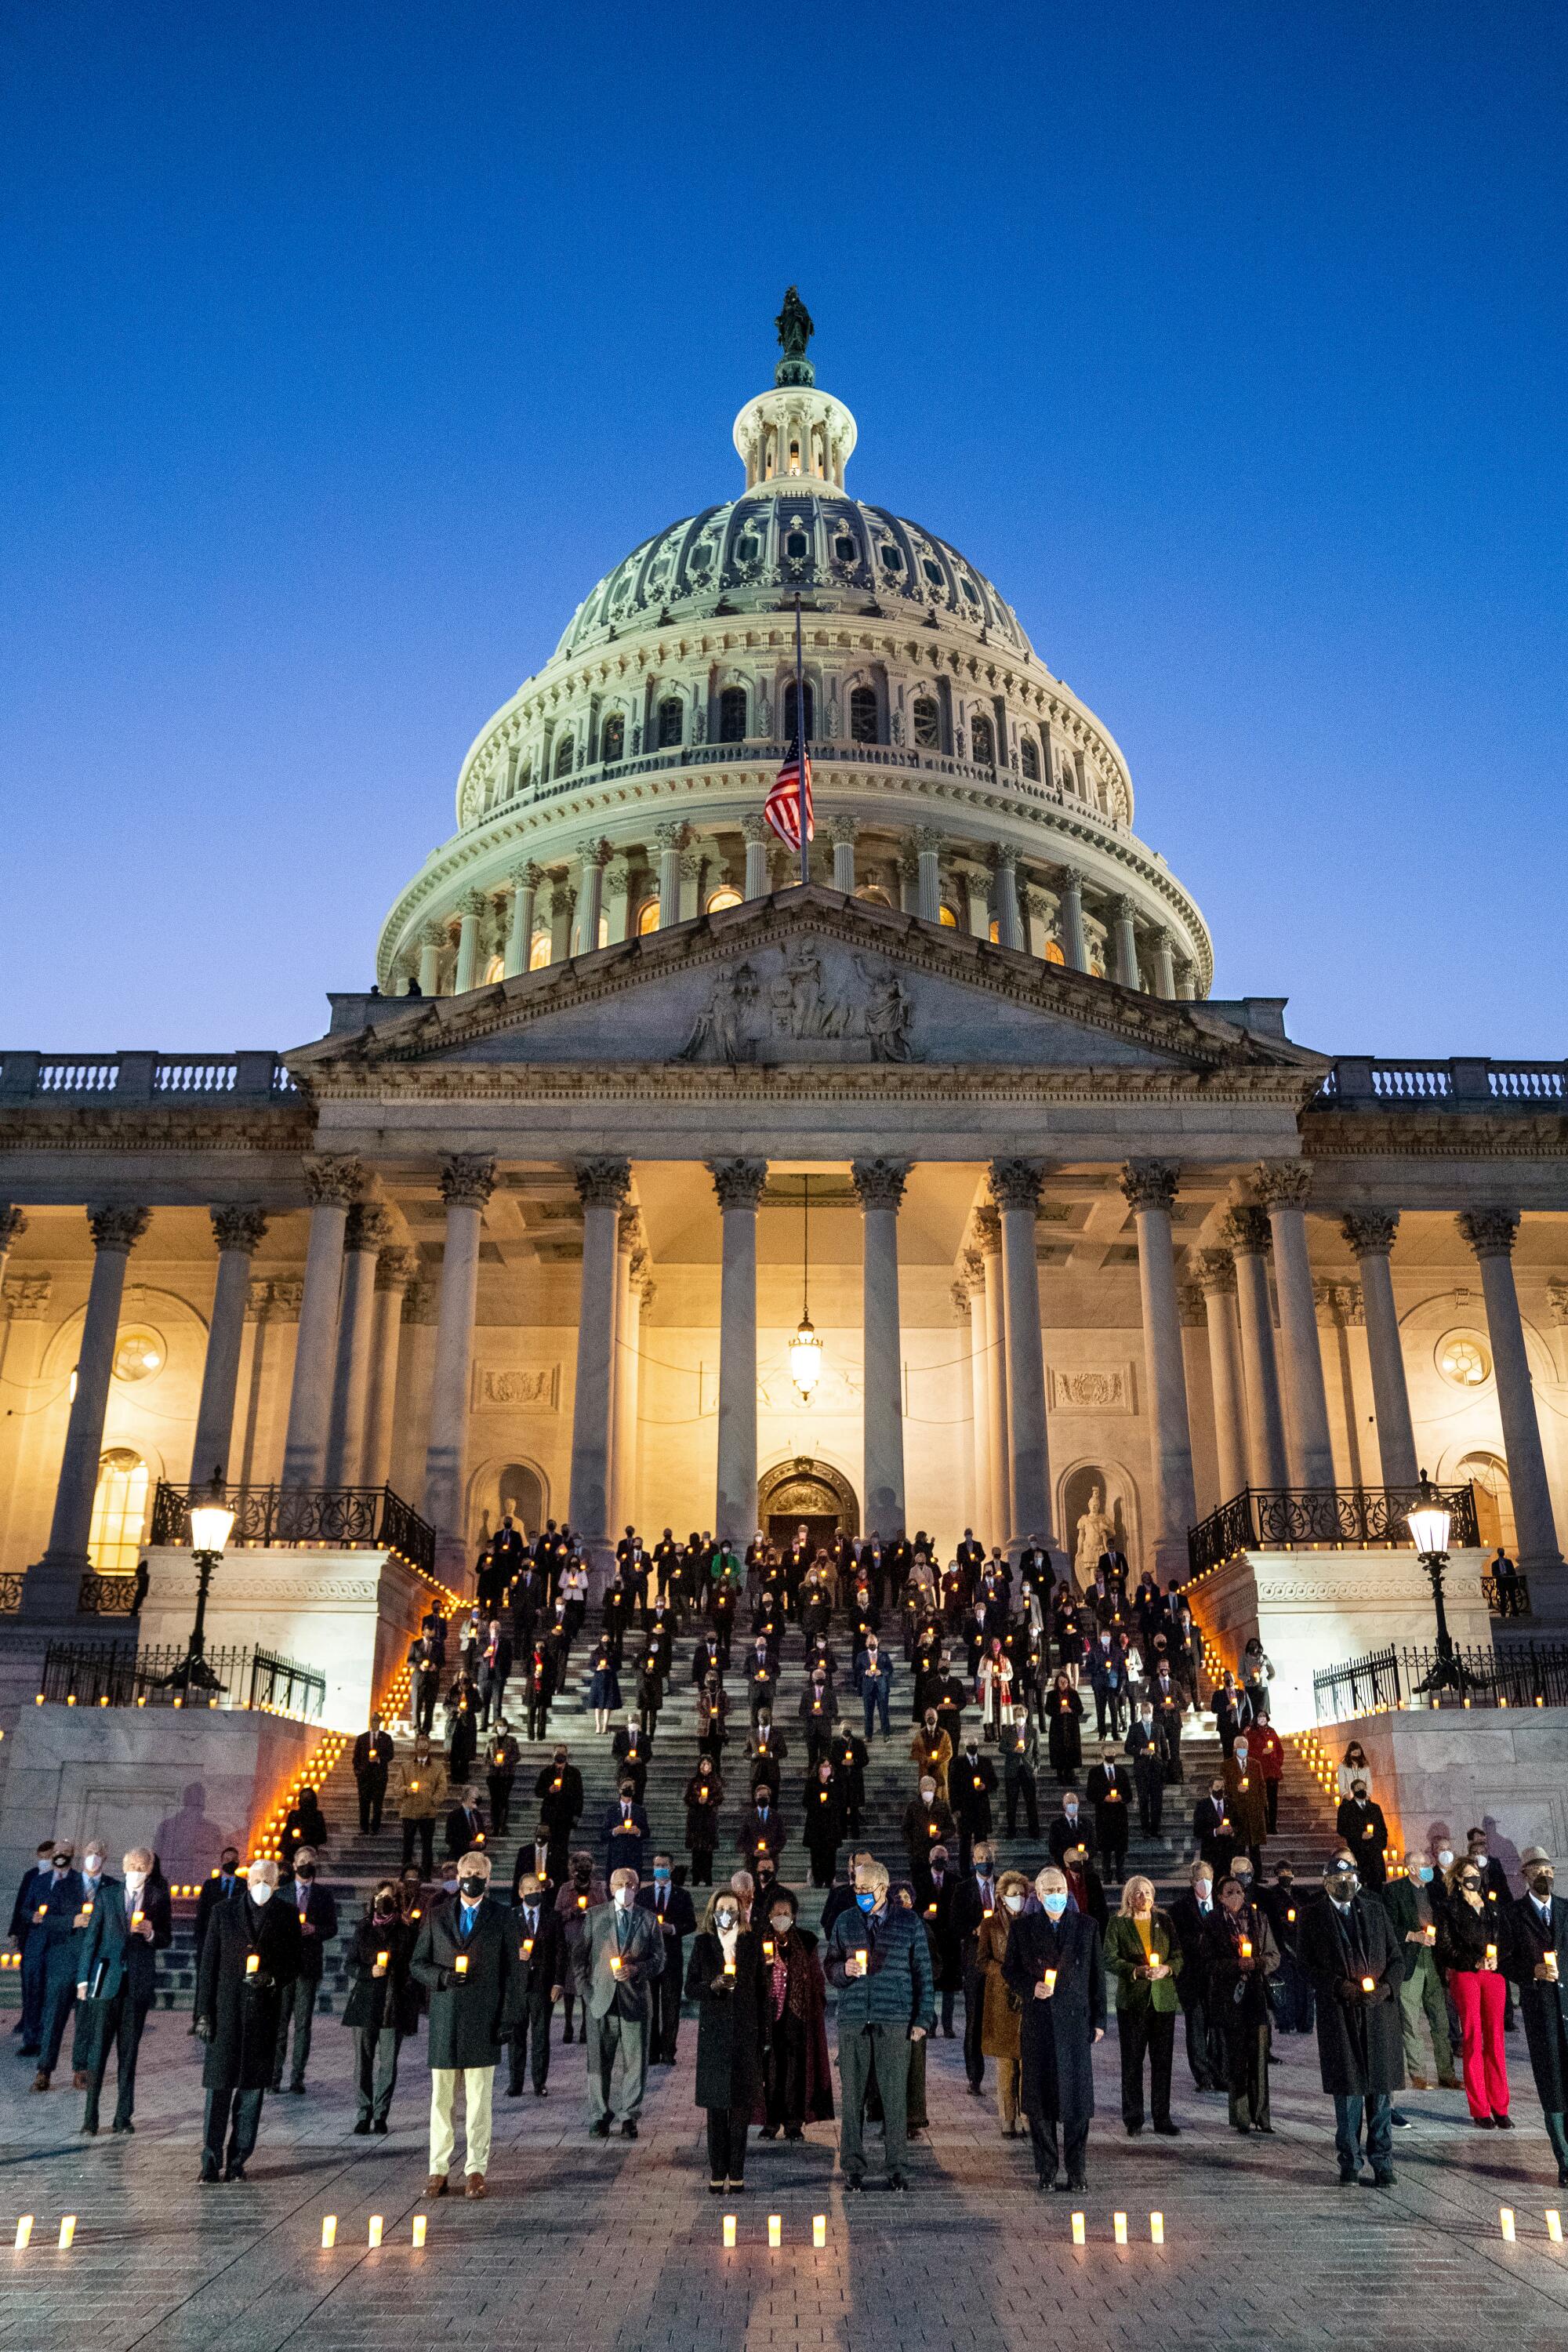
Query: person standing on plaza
(1143, 1955)
(1109, 1789)
(1536, 1931)
(623, 1953)
(27, 1915)
(672, 1908)
(467, 1962)
(1190, 1916)
(558, 1788)
(879, 1961)
(539, 1944)
(1246, 1800)
(1408, 1898)
(250, 1962)
(797, 2086)
(703, 1795)
(723, 1980)
(999, 2018)
(1361, 1827)
(1349, 1950)
(382, 2007)
(60, 1918)
(1055, 1966)
(130, 1923)
(1064, 1729)
(1469, 1954)
(318, 1926)
(1242, 1956)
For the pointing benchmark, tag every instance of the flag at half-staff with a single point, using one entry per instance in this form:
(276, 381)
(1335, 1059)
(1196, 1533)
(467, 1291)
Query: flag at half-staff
(788, 804)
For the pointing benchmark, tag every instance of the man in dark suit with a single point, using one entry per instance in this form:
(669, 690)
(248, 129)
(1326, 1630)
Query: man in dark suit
(762, 1831)
(1110, 1792)
(622, 1955)
(1190, 1916)
(495, 1672)
(1054, 1966)
(1361, 1826)
(250, 1962)
(465, 1824)
(424, 1681)
(559, 1789)
(976, 1900)
(1349, 1950)
(630, 1750)
(509, 1552)
(466, 1962)
(672, 1908)
(542, 1963)
(502, 1756)
(1213, 1834)
(129, 1926)
(318, 1916)
(1535, 1954)
(970, 1785)
(66, 1908)
(373, 1752)
(30, 1895)
(624, 1830)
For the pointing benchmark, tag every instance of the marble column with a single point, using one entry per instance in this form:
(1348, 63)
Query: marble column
(237, 1232)
(333, 1184)
(628, 1231)
(1215, 1271)
(395, 1270)
(1165, 965)
(928, 844)
(1124, 943)
(739, 1184)
(467, 1180)
(669, 839)
(563, 902)
(754, 833)
(1149, 1187)
(841, 831)
(961, 1324)
(881, 1186)
(525, 882)
(1069, 914)
(432, 944)
(1284, 1185)
(590, 894)
(1245, 1233)
(1186, 982)
(1009, 915)
(1370, 1233)
(601, 1187)
(639, 1297)
(974, 1275)
(618, 901)
(1491, 1234)
(1015, 1189)
(52, 1585)
(988, 1224)
(473, 908)
(368, 1230)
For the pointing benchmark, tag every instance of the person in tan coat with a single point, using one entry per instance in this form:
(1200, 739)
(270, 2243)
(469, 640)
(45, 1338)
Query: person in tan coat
(931, 1751)
(999, 2025)
(420, 1791)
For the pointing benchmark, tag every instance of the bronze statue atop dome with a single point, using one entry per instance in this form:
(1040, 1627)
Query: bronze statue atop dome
(795, 331)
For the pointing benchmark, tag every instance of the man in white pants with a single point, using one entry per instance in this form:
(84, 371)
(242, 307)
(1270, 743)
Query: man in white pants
(467, 1962)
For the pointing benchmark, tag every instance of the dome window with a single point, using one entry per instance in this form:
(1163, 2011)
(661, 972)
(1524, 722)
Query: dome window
(933, 571)
(564, 756)
(1028, 754)
(732, 715)
(725, 896)
(982, 742)
(1054, 952)
(613, 742)
(539, 952)
(971, 592)
(928, 723)
(892, 559)
(670, 722)
(699, 558)
(798, 546)
(790, 726)
(648, 918)
(863, 715)
(747, 549)
(843, 548)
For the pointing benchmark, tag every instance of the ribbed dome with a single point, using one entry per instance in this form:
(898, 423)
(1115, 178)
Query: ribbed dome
(743, 557)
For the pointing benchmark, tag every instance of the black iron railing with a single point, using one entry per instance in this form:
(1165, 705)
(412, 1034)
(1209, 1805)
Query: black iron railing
(118, 1673)
(1281, 1518)
(107, 1596)
(336, 1517)
(1525, 1674)
(1508, 1599)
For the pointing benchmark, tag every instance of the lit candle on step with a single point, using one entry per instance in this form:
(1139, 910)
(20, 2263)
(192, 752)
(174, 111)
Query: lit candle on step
(375, 2229)
(68, 2230)
(775, 2230)
(1156, 2229)
(329, 2231)
(819, 2230)
(1505, 2218)
(1119, 2226)
(1077, 2232)
(420, 2224)
(24, 2231)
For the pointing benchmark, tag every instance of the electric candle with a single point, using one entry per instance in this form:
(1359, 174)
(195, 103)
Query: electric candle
(68, 2230)
(1078, 2233)
(461, 1963)
(24, 2231)
(776, 2229)
(1156, 2229)
(729, 2229)
(375, 2229)
(819, 2230)
(1505, 2216)
(329, 2231)
(1119, 2225)
(420, 2220)
(1555, 2225)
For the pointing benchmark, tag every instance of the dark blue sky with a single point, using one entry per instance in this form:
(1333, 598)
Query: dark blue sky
(343, 349)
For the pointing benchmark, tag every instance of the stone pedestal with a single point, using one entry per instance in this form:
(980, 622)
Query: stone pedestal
(1439, 1772)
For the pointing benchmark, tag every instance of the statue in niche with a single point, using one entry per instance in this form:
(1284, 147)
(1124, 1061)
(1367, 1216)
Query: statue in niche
(1096, 1533)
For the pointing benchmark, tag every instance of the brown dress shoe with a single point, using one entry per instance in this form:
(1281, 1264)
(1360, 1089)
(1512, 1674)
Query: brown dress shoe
(40, 2081)
(436, 2185)
(1419, 2082)
(78, 2080)
(476, 2186)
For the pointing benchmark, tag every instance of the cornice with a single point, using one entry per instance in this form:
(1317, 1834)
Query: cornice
(635, 1082)
(289, 1127)
(1442, 1134)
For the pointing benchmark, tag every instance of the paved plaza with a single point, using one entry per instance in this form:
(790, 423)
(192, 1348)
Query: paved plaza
(618, 2245)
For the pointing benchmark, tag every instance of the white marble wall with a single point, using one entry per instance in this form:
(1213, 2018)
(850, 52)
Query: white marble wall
(1438, 1774)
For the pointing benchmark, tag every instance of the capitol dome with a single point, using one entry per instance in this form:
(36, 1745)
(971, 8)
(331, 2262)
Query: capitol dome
(620, 789)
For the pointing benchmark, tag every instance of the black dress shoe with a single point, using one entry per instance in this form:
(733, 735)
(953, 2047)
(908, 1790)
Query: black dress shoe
(234, 2172)
(362, 2129)
(600, 2130)
(514, 2090)
(209, 2171)
(1134, 2130)
(854, 2182)
(1379, 2180)
(898, 2181)
(539, 2092)
(380, 2126)
(628, 2129)
(123, 2125)
(90, 2129)
(1168, 2130)
(1076, 2183)
(1502, 2123)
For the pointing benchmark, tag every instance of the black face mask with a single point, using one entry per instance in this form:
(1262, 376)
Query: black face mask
(385, 1906)
(472, 1887)
(306, 1870)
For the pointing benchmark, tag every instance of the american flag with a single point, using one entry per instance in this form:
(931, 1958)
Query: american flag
(791, 786)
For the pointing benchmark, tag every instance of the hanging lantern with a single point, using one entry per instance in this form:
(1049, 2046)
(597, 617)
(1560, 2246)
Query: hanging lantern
(805, 1347)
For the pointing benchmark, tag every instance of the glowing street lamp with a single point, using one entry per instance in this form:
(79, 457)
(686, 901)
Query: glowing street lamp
(212, 1524)
(1429, 1524)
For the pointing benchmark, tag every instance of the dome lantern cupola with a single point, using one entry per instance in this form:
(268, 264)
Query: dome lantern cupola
(795, 434)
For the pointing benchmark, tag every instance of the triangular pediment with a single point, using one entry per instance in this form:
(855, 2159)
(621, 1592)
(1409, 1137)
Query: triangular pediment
(805, 977)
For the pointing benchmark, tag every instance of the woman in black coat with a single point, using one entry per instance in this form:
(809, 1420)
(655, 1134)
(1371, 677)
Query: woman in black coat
(248, 1964)
(723, 1979)
(704, 1795)
(382, 2006)
(822, 1822)
(1064, 1718)
(1239, 1955)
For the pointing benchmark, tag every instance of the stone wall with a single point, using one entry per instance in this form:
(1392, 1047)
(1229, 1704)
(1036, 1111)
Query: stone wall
(1439, 1772)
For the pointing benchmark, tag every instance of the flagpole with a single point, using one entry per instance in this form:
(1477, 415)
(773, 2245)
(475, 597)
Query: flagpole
(800, 745)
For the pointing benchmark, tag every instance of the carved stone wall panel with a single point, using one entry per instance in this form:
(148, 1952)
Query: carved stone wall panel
(536, 1386)
(1108, 1390)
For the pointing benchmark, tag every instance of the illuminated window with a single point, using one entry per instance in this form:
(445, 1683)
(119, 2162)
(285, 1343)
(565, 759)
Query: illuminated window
(119, 1512)
(1464, 1359)
(863, 715)
(994, 932)
(732, 715)
(1029, 754)
(728, 896)
(495, 970)
(648, 918)
(1054, 953)
(564, 756)
(670, 722)
(928, 723)
(538, 953)
(613, 742)
(138, 1354)
(982, 741)
(947, 918)
(873, 896)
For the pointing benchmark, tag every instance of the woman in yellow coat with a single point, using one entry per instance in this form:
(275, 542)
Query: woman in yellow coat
(999, 2027)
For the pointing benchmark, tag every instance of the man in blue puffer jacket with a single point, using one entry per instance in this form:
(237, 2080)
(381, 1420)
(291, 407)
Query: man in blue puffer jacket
(879, 1961)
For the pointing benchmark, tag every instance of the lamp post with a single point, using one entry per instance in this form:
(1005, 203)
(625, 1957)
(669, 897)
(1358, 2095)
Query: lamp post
(1428, 1524)
(212, 1524)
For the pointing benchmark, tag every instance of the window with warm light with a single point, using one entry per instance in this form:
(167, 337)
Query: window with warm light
(613, 739)
(947, 918)
(648, 918)
(119, 1512)
(994, 932)
(1053, 953)
(728, 896)
(495, 970)
(138, 1354)
(873, 895)
(1463, 1358)
(538, 953)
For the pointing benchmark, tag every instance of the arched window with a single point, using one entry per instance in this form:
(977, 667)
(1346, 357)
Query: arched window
(994, 932)
(947, 918)
(648, 918)
(863, 714)
(982, 741)
(873, 895)
(119, 1512)
(1053, 953)
(538, 953)
(732, 715)
(789, 718)
(1029, 752)
(669, 721)
(495, 970)
(725, 896)
(613, 742)
(928, 723)
(564, 756)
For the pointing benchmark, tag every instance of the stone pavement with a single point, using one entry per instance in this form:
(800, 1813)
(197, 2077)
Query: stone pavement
(617, 2246)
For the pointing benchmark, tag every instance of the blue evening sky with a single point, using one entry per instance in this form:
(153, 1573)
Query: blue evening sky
(341, 349)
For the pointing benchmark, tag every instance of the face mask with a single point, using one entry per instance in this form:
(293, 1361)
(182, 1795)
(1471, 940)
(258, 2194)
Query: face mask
(1424, 1871)
(1345, 1889)
(135, 1880)
(1203, 1890)
(661, 1879)
(261, 1892)
(865, 1900)
(1445, 1857)
(304, 1870)
(1070, 1810)
(385, 1906)
(1541, 1885)
(472, 1887)
(94, 1864)
(622, 1898)
(229, 1864)
(1012, 1902)
(781, 1927)
(1056, 1902)
(726, 1920)
(928, 1796)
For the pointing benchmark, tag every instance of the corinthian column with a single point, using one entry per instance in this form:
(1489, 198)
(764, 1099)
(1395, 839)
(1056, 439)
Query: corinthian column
(395, 1270)
(841, 831)
(525, 882)
(981, 1518)
(1124, 970)
(601, 1187)
(13, 1225)
(590, 894)
(1245, 1233)
(1370, 1233)
(1284, 1185)
(1491, 1234)
(739, 1184)
(51, 1587)
(670, 840)
(1149, 1187)
(473, 908)
(369, 1228)
(237, 1232)
(627, 1229)
(988, 1224)
(334, 1184)
(881, 1186)
(754, 833)
(1009, 919)
(928, 852)
(1016, 1188)
(1216, 1270)
(1075, 942)
(467, 1180)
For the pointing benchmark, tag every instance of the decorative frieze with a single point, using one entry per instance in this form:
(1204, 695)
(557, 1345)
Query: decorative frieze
(535, 1385)
(26, 1296)
(1092, 1391)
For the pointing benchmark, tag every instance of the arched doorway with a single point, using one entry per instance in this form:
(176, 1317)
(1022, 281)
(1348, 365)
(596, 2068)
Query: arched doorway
(810, 1492)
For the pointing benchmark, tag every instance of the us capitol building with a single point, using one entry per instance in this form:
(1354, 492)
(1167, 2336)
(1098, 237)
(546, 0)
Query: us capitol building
(1085, 1250)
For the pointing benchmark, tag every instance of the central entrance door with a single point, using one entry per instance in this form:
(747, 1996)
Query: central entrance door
(804, 1492)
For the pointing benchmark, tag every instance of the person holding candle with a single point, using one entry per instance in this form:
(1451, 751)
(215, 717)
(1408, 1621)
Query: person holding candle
(703, 1796)
(582, 1893)
(999, 2005)
(1406, 1896)
(1110, 1792)
(1354, 1767)
(1246, 1800)
(930, 1750)
(1281, 1905)
(32, 1898)
(1469, 1954)
(672, 1908)
(1190, 1916)
(1354, 1958)
(927, 1823)
(539, 1944)
(762, 1831)
(468, 1963)
(822, 1821)
(873, 1679)
(1064, 1729)
(372, 1759)
(797, 2077)
(626, 1831)
(879, 1961)
(1361, 1827)
(249, 1961)
(502, 1756)
(724, 1980)
(382, 2006)
(418, 1789)
(623, 1953)
(558, 1788)
(130, 1923)
(972, 1784)
(318, 1926)
(1143, 1954)
(59, 1923)
(1535, 1931)
(1242, 1955)
(1054, 1965)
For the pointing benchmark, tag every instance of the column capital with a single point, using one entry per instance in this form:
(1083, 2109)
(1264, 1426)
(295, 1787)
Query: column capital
(927, 838)
(1557, 1300)
(1150, 1185)
(238, 1227)
(738, 1183)
(13, 1225)
(1190, 1303)
(1072, 878)
(988, 1231)
(1244, 1230)
(115, 1227)
(603, 1184)
(597, 853)
(673, 834)
(1123, 907)
(1214, 1269)
(1339, 1302)
(474, 902)
(396, 1268)
(842, 831)
(628, 1230)
(1016, 1184)
(1370, 1232)
(433, 934)
(1490, 1232)
(334, 1180)
(1284, 1183)
(369, 1226)
(419, 1301)
(563, 899)
(961, 1300)
(1004, 855)
(973, 1265)
(879, 1182)
(755, 828)
(26, 1296)
(617, 878)
(527, 876)
(468, 1179)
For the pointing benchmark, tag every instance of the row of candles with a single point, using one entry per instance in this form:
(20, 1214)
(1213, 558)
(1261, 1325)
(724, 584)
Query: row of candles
(375, 2230)
(775, 2230)
(1509, 2231)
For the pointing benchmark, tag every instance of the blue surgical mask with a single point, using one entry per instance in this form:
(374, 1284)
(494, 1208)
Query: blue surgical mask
(1425, 1873)
(661, 1879)
(1056, 1902)
(865, 1899)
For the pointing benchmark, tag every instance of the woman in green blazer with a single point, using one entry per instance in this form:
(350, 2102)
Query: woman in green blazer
(1144, 1956)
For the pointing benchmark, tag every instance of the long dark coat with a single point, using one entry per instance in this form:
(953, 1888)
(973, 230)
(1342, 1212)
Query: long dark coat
(469, 2018)
(377, 2001)
(1057, 2036)
(245, 2011)
(1361, 2042)
(729, 2020)
(1064, 1736)
(1544, 2006)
